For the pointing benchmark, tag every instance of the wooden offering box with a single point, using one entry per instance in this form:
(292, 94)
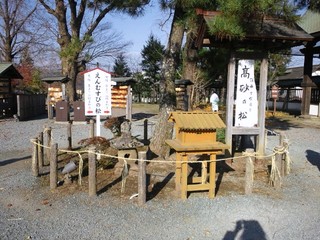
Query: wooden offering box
(195, 134)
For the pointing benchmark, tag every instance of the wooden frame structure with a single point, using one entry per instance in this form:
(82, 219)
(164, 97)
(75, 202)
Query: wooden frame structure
(259, 130)
(311, 24)
(196, 135)
(270, 35)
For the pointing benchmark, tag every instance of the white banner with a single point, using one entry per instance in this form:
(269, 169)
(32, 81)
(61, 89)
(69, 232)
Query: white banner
(97, 92)
(246, 98)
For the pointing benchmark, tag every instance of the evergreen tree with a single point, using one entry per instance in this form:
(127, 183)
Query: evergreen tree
(120, 68)
(152, 56)
(239, 16)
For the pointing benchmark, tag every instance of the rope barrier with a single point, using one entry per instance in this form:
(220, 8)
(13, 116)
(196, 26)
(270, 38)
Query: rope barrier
(280, 151)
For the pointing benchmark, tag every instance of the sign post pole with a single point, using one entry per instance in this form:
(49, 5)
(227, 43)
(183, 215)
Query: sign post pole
(275, 96)
(98, 123)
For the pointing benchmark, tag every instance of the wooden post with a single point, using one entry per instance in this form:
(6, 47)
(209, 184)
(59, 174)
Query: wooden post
(53, 166)
(285, 158)
(230, 103)
(129, 104)
(69, 130)
(212, 176)
(145, 135)
(184, 177)
(178, 172)
(262, 104)
(249, 170)
(278, 160)
(282, 162)
(40, 150)
(142, 195)
(91, 134)
(50, 111)
(48, 141)
(92, 172)
(34, 163)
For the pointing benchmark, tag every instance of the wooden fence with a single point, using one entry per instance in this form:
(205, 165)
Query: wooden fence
(29, 106)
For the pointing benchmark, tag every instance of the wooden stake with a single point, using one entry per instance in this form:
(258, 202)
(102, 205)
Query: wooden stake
(142, 186)
(212, 176)
(184, 177)
(40, 150)
(278, 162)
(53, 166)
(249, 170)
(34, 163)
(145, 123)
(49, 139)
(92, 172)
(69, 135)
(282, 162)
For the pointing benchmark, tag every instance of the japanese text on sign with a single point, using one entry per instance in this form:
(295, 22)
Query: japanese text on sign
(97, 91)
(246, 102)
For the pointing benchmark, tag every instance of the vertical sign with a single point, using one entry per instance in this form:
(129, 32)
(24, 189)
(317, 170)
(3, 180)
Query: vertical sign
(97, 92)
(97, 95)
(246, 102)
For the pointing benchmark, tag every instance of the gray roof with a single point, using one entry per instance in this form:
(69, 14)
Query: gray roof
(310, 22)
(294, 76)
(7, 70)
(123, 80)
(52, 79)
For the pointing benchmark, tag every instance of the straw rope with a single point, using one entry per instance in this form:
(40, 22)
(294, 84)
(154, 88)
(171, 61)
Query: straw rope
(275, 173)
(160, 160)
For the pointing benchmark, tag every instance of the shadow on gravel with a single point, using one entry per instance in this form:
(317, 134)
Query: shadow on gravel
(110, 185)
(280, 124)
(246, 229)
(313, 157)
(222, 168)
(158, 186)
(13, 160)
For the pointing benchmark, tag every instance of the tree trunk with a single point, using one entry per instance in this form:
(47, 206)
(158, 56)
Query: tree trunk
(163, 129)
(70, 69)
(189, 68)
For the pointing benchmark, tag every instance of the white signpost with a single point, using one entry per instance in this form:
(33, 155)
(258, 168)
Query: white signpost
(97, 93)
(247, 101)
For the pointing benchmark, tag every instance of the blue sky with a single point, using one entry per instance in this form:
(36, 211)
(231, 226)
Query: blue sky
(137, 30)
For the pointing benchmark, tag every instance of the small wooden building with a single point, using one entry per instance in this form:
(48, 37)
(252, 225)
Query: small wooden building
(56, 88)
(7, 98)
(182, 94)
(195, 134)
(120, 91)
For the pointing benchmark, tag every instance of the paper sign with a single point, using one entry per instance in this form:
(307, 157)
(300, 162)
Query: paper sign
(97, 92)
(246, 98)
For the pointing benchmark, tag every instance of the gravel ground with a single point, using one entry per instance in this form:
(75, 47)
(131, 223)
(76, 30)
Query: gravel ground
(29, 210)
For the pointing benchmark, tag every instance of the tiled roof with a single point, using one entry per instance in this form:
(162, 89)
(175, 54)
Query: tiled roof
(196, 120)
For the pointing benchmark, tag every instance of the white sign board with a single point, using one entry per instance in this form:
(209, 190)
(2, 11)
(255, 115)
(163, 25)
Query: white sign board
(97, 92)
(247, 101)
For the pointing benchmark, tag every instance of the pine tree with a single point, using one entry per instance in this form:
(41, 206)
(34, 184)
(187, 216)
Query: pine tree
(120, 68)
